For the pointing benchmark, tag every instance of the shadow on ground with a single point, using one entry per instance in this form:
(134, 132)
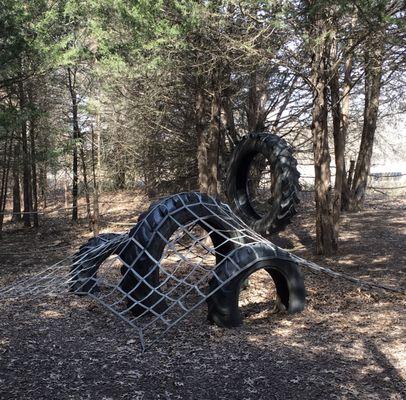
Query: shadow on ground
(347, 344)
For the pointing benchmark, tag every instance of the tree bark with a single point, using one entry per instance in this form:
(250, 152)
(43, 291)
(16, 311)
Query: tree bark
(350, 173)
(16, 185)
(338, 135)
(202, 145)
(373, 59)
(27, 194)
(345, 110)
(326, 241)
(119, 177)
(66, 195)
(214, 145)
(229, 121)
(43, 183)
(86, 185)
(75, 137)
(257, 99)
(4, 179)
(96, 173)
(33, 165)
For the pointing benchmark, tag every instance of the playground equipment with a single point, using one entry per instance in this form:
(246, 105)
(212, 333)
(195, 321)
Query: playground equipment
(187, 249)
(149, 286)
(263, 182)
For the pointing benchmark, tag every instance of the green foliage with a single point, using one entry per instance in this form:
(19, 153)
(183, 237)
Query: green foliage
(138, 65)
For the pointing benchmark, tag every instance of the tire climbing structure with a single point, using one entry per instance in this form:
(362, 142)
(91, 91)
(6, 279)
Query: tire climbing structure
(186, 250)
(263, 182)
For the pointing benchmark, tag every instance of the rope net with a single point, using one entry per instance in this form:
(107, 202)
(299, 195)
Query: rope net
(187, 249)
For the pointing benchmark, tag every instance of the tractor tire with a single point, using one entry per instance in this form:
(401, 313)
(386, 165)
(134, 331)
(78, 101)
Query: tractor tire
(223, 303)
(285, 182)
(152, 233)
(88, 259)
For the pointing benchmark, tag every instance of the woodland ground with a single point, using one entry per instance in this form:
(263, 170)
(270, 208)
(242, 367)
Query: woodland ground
(349, 343)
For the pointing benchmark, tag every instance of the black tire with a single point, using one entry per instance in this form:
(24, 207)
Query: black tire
(154, 230)
(153, 234)
(285, 185)
(91, 255)
(223, 304)
(88, 259)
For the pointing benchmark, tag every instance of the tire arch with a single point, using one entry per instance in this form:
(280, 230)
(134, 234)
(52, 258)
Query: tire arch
(223, 309)
(154, 230)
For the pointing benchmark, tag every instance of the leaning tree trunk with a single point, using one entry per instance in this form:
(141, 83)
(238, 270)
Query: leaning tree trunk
(326, 241)
(373, 59)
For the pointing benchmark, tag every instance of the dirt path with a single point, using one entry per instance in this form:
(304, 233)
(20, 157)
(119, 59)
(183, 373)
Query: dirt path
(349, 343)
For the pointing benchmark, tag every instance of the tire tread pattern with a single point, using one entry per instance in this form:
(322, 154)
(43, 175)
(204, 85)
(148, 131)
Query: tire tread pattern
(286, 188)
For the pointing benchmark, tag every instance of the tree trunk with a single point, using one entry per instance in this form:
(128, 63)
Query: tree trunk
(75, 137)
(75, 189)
(345, 110)
(202, 145)
(26, 159)
(338, 134)
(214, 145)
(43, 184)
(229, 122)
(373, 59)
(119, 177)
(66, 195)
(96, 165)
(86, 185)
(33, 167)
(4, 179)
(257, 99)
(326, 241)
(350, 173)
(16, 185)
